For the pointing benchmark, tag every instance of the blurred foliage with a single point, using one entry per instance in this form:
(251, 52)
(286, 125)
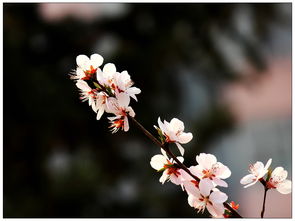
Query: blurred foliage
(58, 160)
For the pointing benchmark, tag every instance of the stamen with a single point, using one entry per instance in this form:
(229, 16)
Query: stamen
(116, 125)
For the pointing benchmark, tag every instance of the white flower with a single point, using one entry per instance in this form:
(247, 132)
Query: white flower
(87, 93)
(205, 198)
(171, 171)
(173, 133)
(209, 168)
(257, 171)
(120, 107)
(123, 83)
(190, 185)
(101, 100)
(278, 180)
(106, 76)
(88, 67)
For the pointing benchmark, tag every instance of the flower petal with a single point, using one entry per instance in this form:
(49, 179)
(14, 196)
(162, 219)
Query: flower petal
(164, 177)
(180, 148)
(251, 184)
(285, 187)
(133, 90)
(181, 159)
(157, 162)
(205, 186)
(206, 160)
(185, 138)
(197, 170)
(82, 85)
(279, 172)
(81, 60)
(126, 124)
(112, 105)
(96, 60)
(176, 180)
(268, 164)
(211, 210)
(258, 168)
(79, 73)
(176, 125)
(218, 197)
(123, 99)
(215, 210)
(130, 111)
(191, 188)
(247, 179)
(222, 171)
(109, 68)
(161, 125)
(219, 182)
(99, 113)
(191, 200)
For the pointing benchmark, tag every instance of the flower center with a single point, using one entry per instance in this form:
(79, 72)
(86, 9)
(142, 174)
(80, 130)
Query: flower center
(201, 206)
(89, 73)
(92, 93)
(195, 182)
(274, 181)
(171, 169)
(117, 124)
(208, 174)
(234, 205)
(168, 140)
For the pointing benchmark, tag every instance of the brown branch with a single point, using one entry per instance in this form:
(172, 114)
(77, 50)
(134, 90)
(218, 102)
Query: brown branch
(164, 146)
(264, 198)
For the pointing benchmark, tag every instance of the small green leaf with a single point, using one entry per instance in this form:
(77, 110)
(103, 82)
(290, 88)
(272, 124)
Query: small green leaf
(161, 136)
(161, 170)
(109, 91)
(97, 85)
(268, 174)
(227, 212)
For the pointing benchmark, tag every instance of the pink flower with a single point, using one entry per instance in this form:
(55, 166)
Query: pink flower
(87, 67)
(209, 168)
(190, 185)
(101, 101)
(171, 171)
(173, 133)
(123, 83)
(208, 197)
(95, 99)
(278, 180)
(87, 93)
(257, 171)
(106, 76)
(119, 106)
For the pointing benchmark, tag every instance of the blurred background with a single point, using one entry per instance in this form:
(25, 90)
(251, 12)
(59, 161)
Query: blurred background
(224, 69)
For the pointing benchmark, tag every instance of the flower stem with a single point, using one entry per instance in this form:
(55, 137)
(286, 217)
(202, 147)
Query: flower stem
(146, 132)
(264, 198)
(165, 147)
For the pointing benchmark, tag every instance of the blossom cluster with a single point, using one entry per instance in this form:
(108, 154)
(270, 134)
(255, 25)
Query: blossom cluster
(276, 179)
(200, 182)
(106, 89)
(202, 192)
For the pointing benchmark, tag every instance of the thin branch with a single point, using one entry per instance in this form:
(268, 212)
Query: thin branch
(146, 132)
(264, 198)
(181, 165)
